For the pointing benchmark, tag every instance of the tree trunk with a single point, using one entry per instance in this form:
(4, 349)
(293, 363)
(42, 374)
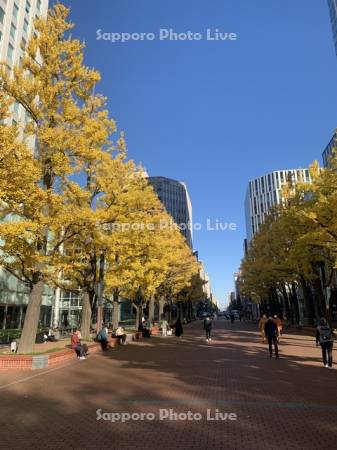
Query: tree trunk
(180, 311)
(115, 311)
(28, 336)
(100, 291)
(319, 298)
(161, 303)
(294, 299)
(286, 305)
(308, 302)
(151, 309)
(139, 310)
(4, 320)
(86, 315)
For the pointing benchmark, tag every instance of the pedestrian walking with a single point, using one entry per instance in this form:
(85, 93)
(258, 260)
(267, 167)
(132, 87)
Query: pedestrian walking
(208, 328)
(164, 326)
(121, 335)
(178, 329)
(270, 330)
(261, 325)
(279, 326)
(324, 338)
(232, 317)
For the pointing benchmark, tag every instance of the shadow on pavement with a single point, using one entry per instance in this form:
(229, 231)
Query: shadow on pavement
(293, 399)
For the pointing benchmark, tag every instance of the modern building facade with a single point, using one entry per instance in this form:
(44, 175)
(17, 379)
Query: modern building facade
(174, 196)
(333, 16)
(327, 153)
(206, 288)
(265, 192)
(16, 25)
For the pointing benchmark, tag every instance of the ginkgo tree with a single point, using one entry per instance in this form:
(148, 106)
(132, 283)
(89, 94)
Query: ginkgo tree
(66, 193)
(53, 86)
(295, 244)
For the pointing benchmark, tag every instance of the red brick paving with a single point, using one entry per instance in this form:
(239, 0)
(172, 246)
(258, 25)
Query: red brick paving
(287, 404)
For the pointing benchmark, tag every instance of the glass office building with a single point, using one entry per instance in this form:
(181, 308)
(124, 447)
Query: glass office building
(174, 196)
(327, 154)
(333, 16)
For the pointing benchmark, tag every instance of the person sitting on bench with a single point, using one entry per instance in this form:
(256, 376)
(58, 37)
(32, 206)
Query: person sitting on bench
(120, 333)
(144, 330)
(76, 345)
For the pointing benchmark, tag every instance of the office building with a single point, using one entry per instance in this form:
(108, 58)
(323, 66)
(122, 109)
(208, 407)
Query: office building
(16, 25)
(265, 192)
(333, 17)
(327, 153)
(174, 196)
(206, 288)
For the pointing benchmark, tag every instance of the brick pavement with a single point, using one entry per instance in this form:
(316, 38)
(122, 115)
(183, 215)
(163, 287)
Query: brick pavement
(287, 404)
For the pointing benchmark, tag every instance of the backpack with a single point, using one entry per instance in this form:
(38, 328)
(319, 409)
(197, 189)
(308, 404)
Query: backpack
(99, 336)
(325, 334)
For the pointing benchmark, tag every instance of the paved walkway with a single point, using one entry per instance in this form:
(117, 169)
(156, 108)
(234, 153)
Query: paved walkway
(289, 403)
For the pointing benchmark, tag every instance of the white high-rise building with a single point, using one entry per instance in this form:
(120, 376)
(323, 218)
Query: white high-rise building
(16, 25)
(265, 192)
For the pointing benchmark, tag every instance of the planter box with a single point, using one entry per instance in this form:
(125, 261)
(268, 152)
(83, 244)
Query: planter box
(155, 330)
(41, 361)
(31, 362)
(137, 335)
(114, 342)
(15, 362)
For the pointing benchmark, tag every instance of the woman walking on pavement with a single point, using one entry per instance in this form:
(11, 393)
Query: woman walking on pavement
(178, 330)
(324, 338)
(208, 328)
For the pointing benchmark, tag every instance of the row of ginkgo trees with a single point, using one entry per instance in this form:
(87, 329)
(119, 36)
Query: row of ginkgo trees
(76, 214)
(297, 247)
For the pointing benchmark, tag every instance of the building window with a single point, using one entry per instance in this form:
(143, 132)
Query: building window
(25, 26)
(12, 31)
(10, 53)
(27, 6)
(38, 5)
(15, 10)
(2, 15)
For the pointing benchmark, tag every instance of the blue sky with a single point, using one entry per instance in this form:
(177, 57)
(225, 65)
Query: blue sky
(216, 114)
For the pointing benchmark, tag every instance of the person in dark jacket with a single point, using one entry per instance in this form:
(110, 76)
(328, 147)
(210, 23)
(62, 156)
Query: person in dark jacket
(270, 330)
(178, 329)
(324, 338)
(146, 332)
(102, 337)
(208, 328)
